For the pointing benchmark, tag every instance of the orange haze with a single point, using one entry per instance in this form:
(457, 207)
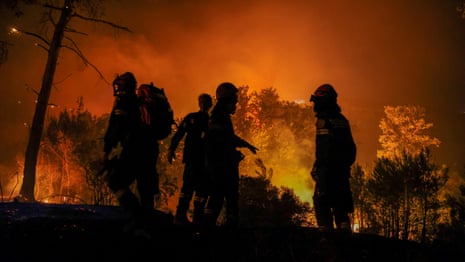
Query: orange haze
(376, 53)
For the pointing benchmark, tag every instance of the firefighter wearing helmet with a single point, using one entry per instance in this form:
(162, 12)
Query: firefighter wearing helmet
(194, 180)
(335, 153)
(226, 95)
(227, 91)
(128, 156)
(222, 158)
(124, 84)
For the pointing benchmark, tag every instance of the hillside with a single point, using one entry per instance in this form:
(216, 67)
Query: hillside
(46, 232)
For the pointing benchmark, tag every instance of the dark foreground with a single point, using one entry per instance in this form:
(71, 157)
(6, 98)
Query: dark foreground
(38, 232)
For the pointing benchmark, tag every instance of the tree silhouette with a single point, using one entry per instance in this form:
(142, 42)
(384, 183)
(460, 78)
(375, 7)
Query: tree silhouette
(59, 18)
(404, 195)
(265, 205)
(358, 186)
(453, 233)
(405, 153)
(431, 179)
(385, 195)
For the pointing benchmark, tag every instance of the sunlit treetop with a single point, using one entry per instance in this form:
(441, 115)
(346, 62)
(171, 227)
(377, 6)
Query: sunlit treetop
(404, 129)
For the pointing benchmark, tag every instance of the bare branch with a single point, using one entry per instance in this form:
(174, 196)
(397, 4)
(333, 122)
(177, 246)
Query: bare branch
(15, 30)
(33, 90)
(61, 81)
(42, 46)
(102, 21)
(70, 30)
(74, 48)
(91, 19)
(86, 62)
(50, 18)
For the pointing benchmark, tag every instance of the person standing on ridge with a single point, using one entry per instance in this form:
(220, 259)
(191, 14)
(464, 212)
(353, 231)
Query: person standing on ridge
(193, 127)
(129, 156)
(222, 158)
(334, 156)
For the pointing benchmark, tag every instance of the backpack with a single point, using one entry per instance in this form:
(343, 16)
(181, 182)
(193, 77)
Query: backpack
(155, 109)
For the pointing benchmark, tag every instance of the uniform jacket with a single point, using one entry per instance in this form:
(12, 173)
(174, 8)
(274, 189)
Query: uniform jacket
(335, 146)
(195, 126)
(123, 124)
(221, 141)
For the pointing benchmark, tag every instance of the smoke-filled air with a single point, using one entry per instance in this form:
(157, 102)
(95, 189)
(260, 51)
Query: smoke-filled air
(381, 56)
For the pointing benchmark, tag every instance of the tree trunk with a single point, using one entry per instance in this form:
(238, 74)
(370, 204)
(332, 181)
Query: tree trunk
(32, 150)
(425, 214)
(406, 213)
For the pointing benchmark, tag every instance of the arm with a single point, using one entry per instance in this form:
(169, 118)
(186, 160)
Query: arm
(239, 142)
(177, 137)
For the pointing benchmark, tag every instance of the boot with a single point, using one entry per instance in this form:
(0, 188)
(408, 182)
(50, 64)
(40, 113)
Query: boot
(181, 211)
(199, 209)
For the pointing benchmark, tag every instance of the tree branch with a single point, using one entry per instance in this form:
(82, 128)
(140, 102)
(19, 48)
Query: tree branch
(71, 30)
(74, 48)
(42, 46)
(33, 90)
(102, 21)
(17, 30)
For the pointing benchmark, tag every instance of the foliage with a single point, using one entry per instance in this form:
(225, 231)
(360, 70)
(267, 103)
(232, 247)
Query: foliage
(73, 141)
(385, 194)
(170, 177)
(283, 131)
(453, 233)
(457, 211)
(264, 205)
(404, 195)
(243, 117)
(399, 198)
(363, 210)
(404, 129)
(410, 206)
(57, 27)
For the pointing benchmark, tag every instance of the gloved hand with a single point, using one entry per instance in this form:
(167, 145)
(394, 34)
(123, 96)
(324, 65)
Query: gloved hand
(252, 149)
(171, 155)
(115, 152)
(314, 174)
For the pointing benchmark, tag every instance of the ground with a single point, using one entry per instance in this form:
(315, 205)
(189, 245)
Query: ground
(49, 232)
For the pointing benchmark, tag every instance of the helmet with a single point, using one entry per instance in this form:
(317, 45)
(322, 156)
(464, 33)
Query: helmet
(226, 91)
(325, 99)
(124, 84)
(325, 91)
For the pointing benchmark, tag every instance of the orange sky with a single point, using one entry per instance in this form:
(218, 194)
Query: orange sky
(375, 53)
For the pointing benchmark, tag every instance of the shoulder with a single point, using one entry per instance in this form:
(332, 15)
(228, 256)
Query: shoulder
(339, 121)
(190, 116)
(321, 123)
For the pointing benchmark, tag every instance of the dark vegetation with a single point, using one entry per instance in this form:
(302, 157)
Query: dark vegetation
(275, 223)
(57, 232)
(401, 199)
(404, 197)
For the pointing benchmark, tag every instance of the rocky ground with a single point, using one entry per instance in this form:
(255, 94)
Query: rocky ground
(38, 232)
